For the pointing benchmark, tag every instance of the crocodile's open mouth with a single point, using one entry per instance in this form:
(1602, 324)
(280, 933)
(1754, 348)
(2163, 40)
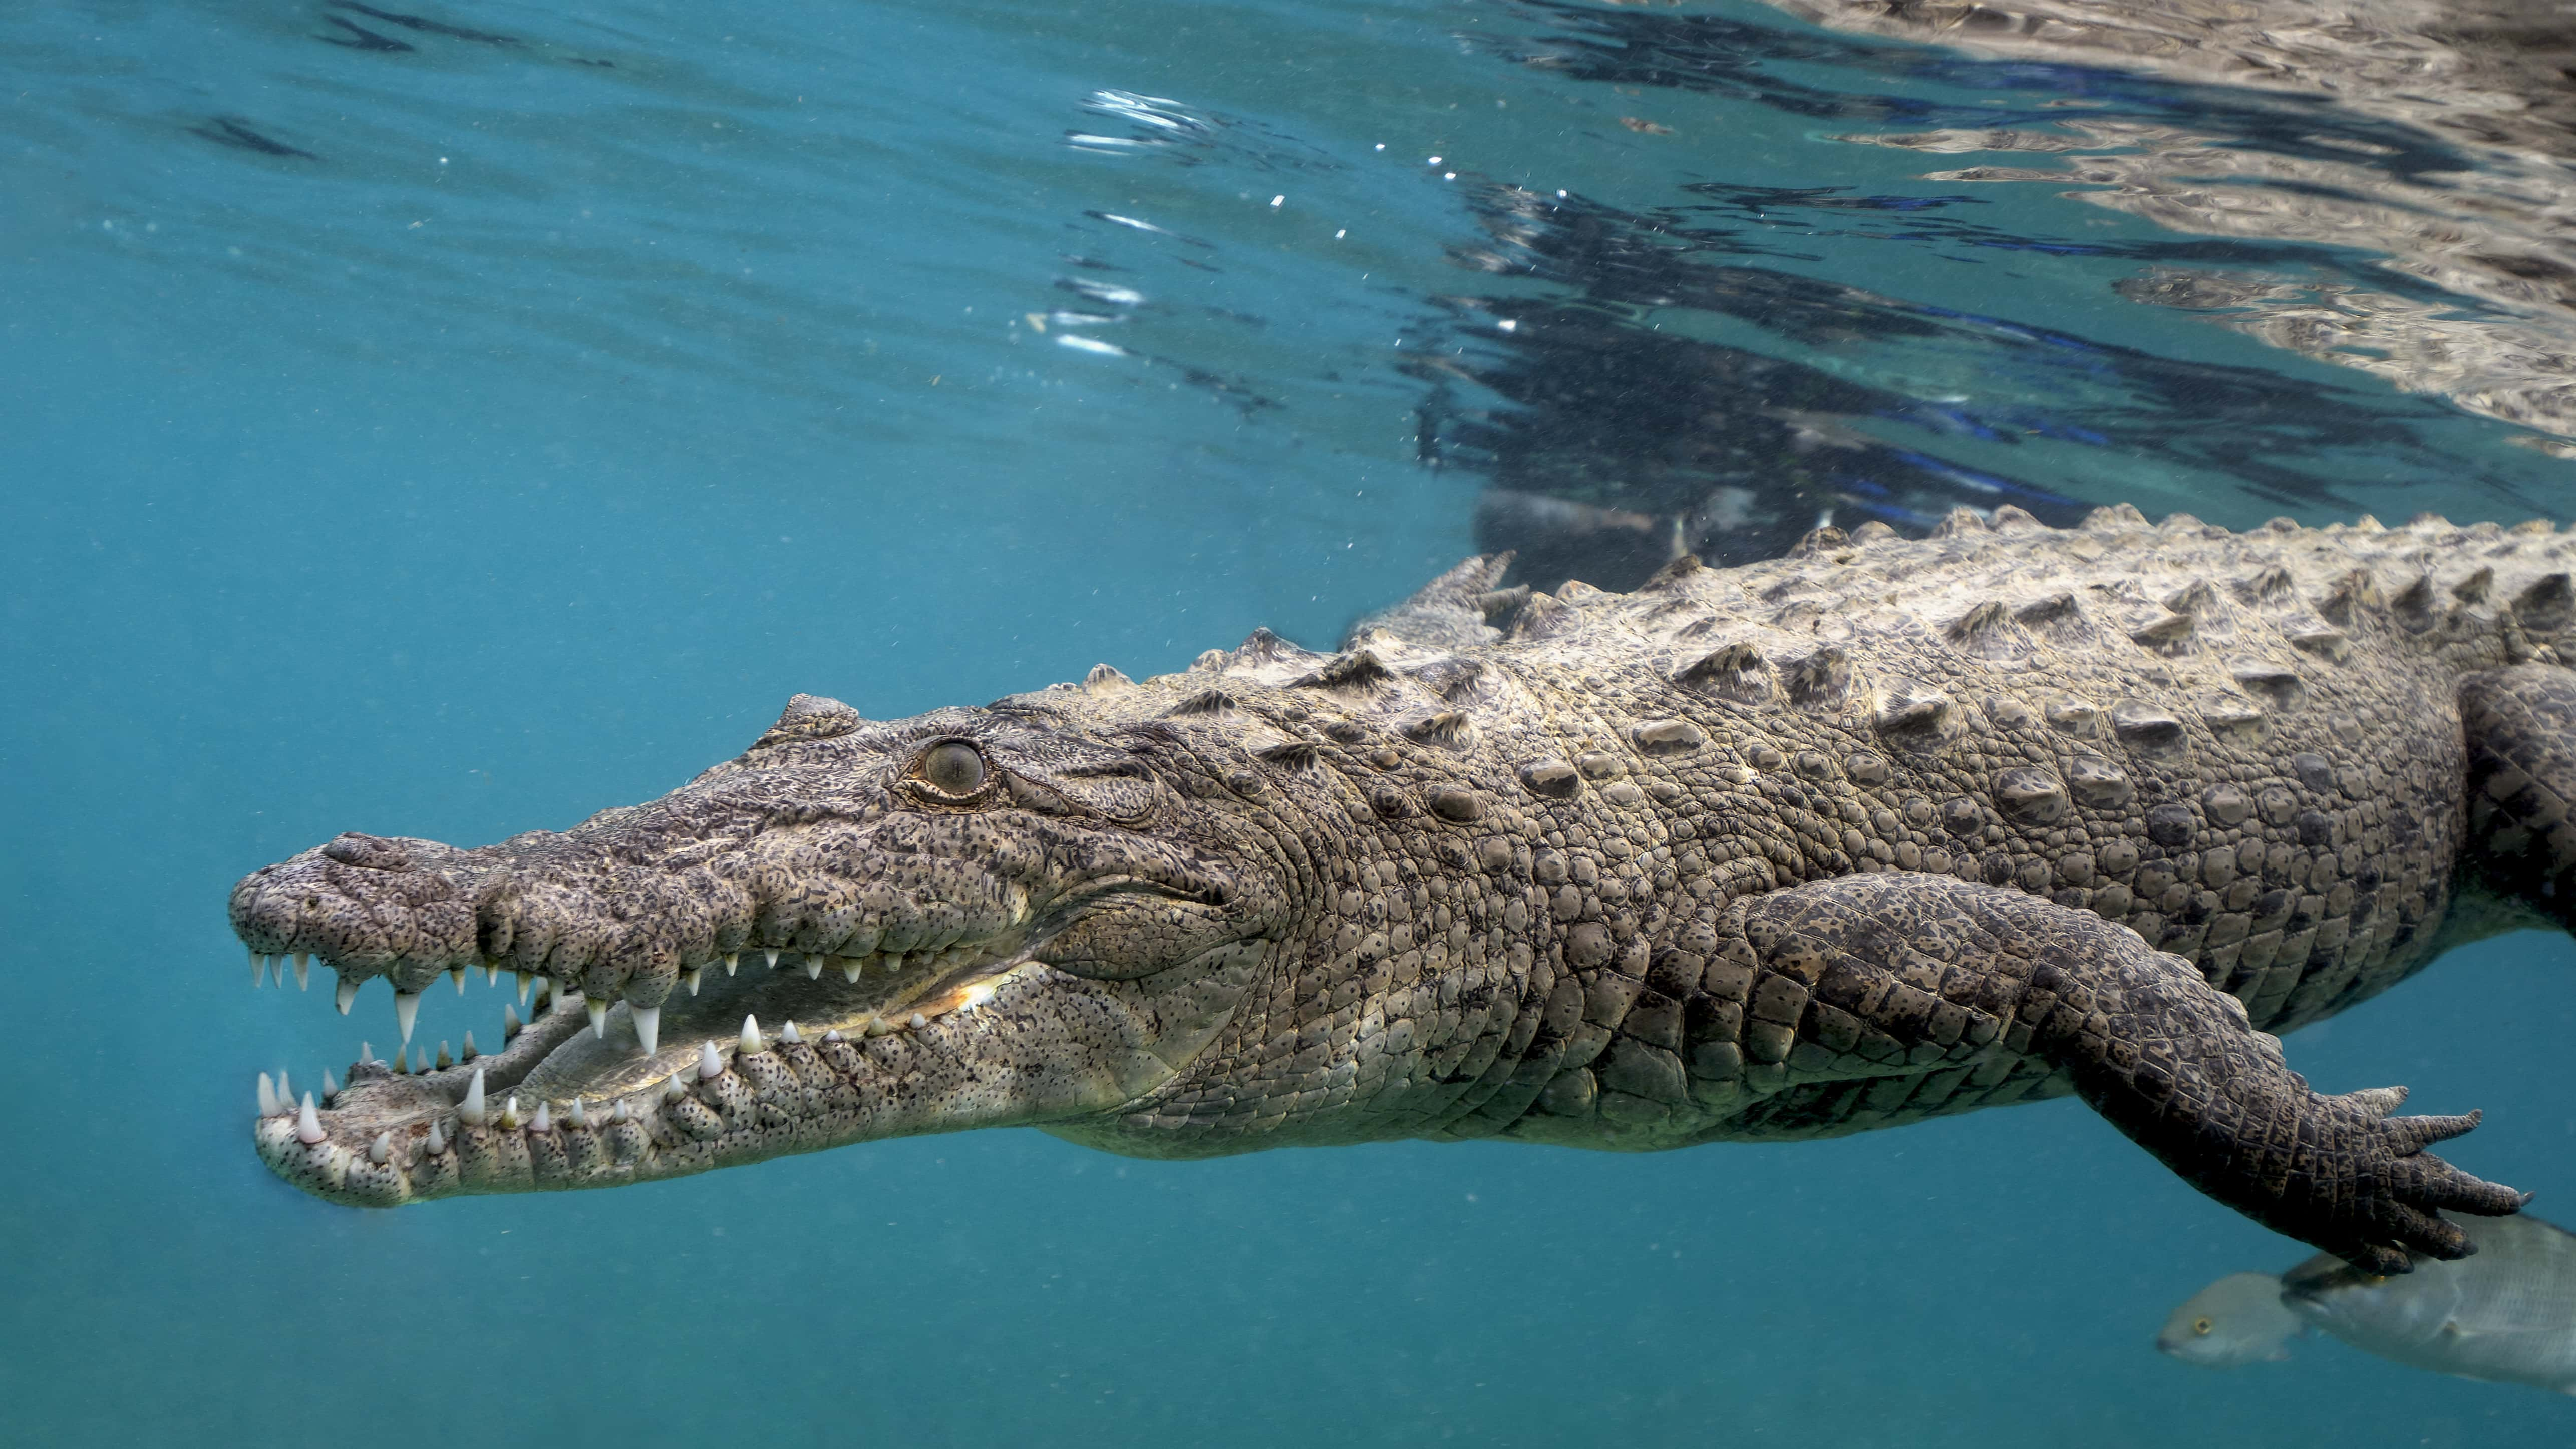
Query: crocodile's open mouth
(852, 932)
(587, 1092)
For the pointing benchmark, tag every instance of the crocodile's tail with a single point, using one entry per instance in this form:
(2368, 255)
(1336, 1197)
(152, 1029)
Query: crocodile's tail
(2520, 724)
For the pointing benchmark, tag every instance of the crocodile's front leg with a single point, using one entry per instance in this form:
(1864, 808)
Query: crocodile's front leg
(2170, 1060)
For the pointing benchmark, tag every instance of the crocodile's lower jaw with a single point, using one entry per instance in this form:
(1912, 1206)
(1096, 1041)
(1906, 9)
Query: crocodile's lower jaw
(756, 1062)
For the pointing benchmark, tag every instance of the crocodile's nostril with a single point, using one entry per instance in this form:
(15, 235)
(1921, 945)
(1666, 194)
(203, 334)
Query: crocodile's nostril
(367, 852)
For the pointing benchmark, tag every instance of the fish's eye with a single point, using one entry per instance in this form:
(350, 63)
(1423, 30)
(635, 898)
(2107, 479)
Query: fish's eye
(2202, 1326)
(951, 767)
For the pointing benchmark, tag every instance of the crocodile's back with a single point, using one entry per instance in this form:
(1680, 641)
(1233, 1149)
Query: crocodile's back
(2245, 747)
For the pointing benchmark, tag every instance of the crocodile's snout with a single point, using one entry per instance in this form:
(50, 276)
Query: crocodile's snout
(367, 906)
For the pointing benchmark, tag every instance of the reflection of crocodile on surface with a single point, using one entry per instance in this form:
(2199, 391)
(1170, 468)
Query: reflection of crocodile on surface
(2475, 201)
(1880, 831)
(1619, 432)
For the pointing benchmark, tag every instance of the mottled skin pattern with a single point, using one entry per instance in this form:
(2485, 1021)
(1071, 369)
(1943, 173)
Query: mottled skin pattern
(1877, 832)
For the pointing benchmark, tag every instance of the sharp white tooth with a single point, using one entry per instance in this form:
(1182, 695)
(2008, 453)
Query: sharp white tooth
(510, 1115)
(648, 1027)
(710, 1066)
(402, 1067)
(545, 987)
(285, 1093)
(813, 968)
(345, 995)
(751, 1042)
(437, 1140)
(623, 1113)
(458, 972)
(732, 959)
(598, 1008)
(444, 1060)
(303, 972)
(543, 1123)
(491, 974)
(878, 1026)
(258, 970)
(381, 1151)
(893, 962)
(788, 1034)
(471, 1111)
(308, 1128)
(366, 1051)
(470, 1052)
(694, 978)
(520, 979)
(510, 1025)
(406, 1012)
(919, 1021)
(267, 1097)
(330, 1087)
(831, 1036)
(850, 969)
(773, 959)
(577, 1116)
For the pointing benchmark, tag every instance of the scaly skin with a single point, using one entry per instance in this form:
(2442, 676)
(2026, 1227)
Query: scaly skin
(1877, 832)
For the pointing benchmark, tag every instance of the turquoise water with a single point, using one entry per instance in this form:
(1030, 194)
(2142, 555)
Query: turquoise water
(453, 422)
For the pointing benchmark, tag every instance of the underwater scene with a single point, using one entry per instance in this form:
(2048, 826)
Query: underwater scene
(431, 429)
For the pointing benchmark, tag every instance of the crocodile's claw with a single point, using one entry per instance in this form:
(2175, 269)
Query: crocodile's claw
(2383, 1190)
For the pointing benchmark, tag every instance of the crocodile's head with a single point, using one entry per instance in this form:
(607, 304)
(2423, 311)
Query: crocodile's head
(1026, 914)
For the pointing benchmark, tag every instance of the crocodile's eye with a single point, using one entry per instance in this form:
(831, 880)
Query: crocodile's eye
(952, 767)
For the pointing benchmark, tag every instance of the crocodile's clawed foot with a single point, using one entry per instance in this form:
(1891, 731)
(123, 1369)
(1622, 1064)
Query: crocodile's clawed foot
(2380, 1199)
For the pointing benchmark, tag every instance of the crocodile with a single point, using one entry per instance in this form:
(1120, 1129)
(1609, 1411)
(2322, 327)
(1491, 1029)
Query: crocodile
(1878, 831)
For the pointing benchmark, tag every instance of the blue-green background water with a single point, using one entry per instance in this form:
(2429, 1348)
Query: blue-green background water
(457, 439)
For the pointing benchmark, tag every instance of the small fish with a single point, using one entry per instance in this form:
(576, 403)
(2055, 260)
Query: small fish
(2506, 1315)
(2239, 1319)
